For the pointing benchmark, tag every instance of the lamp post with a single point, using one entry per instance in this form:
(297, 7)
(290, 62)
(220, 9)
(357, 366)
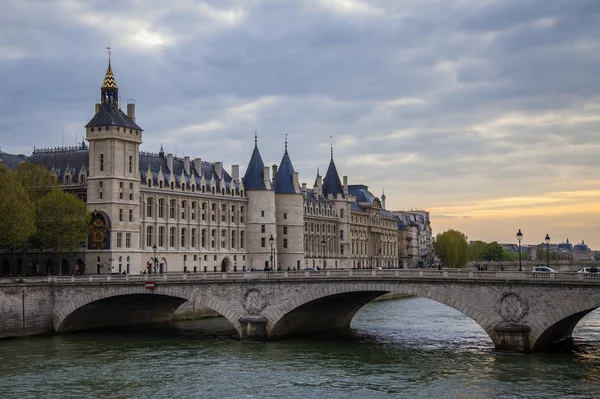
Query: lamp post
(519, 238)
(155, 260)
(547, 240)
(271, 241)
(323, 243)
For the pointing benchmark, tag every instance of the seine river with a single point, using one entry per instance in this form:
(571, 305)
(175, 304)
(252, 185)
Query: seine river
(409, 348)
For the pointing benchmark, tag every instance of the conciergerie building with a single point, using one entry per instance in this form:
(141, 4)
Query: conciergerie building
(158, 213)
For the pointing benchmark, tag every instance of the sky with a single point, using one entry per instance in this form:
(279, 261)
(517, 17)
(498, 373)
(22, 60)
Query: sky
(486, 113)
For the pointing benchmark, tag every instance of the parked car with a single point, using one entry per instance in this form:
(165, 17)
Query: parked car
(542, 269)
(591, 269)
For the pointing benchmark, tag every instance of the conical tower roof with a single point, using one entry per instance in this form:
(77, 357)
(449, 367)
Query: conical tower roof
(284, 180)
(332, 183)
(109, 79)
(254, 178)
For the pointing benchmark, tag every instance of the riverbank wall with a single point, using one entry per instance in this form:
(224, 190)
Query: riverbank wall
(26, 310)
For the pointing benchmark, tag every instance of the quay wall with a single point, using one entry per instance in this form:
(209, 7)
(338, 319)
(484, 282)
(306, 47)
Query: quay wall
(25, 309)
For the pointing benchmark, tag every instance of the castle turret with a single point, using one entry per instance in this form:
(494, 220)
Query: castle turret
(289, 205)
(261, 221)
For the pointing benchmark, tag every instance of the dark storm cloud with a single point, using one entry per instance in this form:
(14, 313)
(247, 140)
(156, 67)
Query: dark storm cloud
(417, 94)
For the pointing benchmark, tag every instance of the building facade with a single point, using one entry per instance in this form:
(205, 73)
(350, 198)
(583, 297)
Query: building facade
(158, 213)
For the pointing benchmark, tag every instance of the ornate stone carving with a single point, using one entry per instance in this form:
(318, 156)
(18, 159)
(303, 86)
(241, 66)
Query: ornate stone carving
(512, 307)
(254, 301)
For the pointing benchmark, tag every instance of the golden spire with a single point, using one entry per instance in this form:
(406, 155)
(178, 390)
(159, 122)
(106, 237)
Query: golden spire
(109, 79)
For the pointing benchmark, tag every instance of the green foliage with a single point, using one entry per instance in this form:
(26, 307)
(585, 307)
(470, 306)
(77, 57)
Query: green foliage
(452, 248)
(36, 180)
(17, 212)
(493, 252)
(62, 219)
(476, 249)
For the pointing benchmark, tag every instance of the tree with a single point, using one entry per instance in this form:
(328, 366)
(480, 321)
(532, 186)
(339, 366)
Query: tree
(452, 248)
(476, 249)
(493, 251)
(37, 180)
(63, 220)
(17, 212)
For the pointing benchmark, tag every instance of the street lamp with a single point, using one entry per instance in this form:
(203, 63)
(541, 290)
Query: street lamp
(519, 238)
(323, 243)
(155, 260)
(271, 241)
(547, 240)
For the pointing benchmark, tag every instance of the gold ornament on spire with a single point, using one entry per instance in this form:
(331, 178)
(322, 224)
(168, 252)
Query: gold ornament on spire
(109, 79)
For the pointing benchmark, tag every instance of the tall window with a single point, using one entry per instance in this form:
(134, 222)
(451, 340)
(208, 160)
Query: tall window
(161, 236)
(130, 191)
(149, 202)
(284, 229)
(128, 241)
(130, 164)
(203, 238)
(120, 215)
(193, 243)
(172, 205)
(262, 228)
(213, 233)
(285, 242)
(149, 236)
(183, 234)
(223, 238)
(119, 240)
(101, 162)
(131, 215)
(183, 206)
(233, 239)
(262, 242)
(172, 237)
(242, 239)
(161, 208)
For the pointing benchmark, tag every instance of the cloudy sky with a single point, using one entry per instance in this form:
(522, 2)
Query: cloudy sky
(484, 112)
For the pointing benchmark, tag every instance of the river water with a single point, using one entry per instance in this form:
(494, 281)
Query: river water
(409, 348)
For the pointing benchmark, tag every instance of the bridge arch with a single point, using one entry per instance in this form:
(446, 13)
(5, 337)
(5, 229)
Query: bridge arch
(130, 305)
(332, 307)
(558, 324)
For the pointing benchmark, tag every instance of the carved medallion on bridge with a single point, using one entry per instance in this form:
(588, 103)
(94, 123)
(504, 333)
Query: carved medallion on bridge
(254, 301)
(512, 307)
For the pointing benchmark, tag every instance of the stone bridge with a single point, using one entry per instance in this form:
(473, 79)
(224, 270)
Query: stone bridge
(520, 311)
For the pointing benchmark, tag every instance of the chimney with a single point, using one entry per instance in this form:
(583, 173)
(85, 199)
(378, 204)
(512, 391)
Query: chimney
(319, 185)
(345, 186)
(295, 181)
(186, 159)
(97, 109)
(131, 109)
(198, 166)
(274, 171)
(304, 187)
(235, 173)
(218, 168)
(267, 179)
(170, 162)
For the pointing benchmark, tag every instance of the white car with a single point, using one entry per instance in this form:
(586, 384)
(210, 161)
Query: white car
(591, 269)
(542, 269)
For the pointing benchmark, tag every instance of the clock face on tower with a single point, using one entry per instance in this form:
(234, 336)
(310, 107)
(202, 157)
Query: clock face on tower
(100, 239)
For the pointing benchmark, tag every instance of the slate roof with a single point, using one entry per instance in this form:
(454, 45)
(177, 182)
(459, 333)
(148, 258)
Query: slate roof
(110, 115)
(61, 160)
(159, 162)
(284, 179)
(10, 160)
(254, 179)
(361, 192)
(332, 183)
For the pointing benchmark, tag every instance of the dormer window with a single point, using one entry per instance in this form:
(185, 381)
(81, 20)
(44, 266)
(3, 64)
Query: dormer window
(67, 179)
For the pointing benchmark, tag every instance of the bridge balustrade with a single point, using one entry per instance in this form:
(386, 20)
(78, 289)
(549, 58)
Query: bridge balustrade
(334, 273)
